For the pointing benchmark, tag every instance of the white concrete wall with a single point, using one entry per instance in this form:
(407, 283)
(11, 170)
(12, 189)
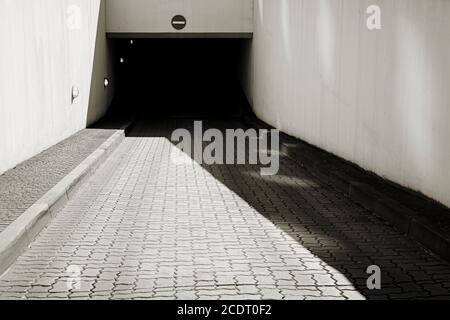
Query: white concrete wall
(203, 16)
(40, 60)
(378, 98)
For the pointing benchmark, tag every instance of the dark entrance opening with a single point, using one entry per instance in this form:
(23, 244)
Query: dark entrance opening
(179, 77)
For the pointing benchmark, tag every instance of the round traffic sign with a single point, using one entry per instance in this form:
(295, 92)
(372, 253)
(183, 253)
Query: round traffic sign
(179, 22)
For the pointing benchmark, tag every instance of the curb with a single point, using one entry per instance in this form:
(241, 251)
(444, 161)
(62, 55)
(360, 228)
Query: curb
(358, 185)
(19, 234)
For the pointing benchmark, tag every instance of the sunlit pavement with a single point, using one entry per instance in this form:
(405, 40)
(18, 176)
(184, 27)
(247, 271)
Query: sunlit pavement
(146, 227)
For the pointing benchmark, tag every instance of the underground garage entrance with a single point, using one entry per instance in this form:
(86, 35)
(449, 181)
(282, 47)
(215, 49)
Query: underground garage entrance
(179, 77)
(132, 221)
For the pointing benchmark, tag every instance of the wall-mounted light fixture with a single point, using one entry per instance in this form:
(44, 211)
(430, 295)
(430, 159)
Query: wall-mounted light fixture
(122, 60)
(75, 93)
(131, 41)
(106, 83)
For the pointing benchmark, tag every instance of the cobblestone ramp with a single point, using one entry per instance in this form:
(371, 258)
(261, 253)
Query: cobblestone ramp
(144, 227)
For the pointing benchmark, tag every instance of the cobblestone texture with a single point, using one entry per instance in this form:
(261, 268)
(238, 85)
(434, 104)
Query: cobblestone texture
(145, 228)
(23, 185)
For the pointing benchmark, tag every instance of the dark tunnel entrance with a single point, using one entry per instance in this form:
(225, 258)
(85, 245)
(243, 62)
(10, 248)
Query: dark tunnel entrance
(179, 77)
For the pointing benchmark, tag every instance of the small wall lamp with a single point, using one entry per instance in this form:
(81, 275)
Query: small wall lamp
(75, 93)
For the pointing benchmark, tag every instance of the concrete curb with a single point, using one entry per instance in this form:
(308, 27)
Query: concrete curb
(19, 234)
(359, 188)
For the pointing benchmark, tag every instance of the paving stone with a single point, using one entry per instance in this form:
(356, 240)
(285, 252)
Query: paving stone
(37, 295)
(208, 298)
(105, 286)
(294, 297)
(324, 280)
(265, 280)
(304, 279)
(271, 294)
(187, 295)
(330, 291)
(353, 295)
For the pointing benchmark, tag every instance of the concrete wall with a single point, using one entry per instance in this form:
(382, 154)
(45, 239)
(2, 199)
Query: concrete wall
(203, 16)
(40, 60)
(378, 98)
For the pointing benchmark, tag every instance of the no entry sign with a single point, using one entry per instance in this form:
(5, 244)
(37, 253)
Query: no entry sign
(179, 22)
